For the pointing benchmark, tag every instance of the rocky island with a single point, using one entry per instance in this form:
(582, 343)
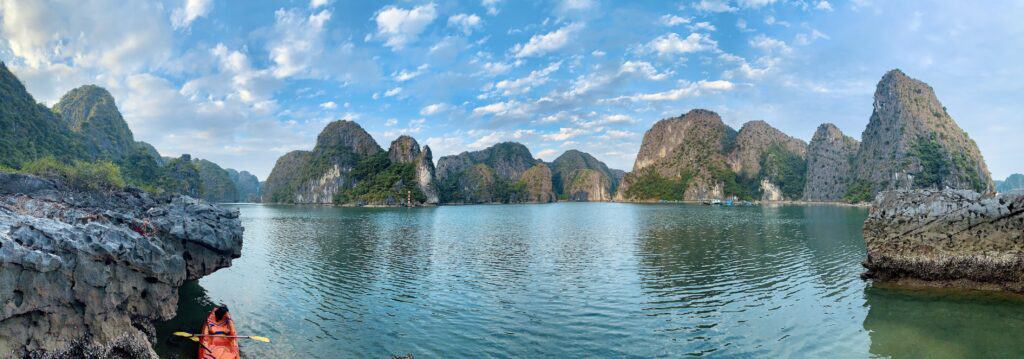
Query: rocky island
(90, 271)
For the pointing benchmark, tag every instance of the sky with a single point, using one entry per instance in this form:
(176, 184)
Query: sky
(242, 82)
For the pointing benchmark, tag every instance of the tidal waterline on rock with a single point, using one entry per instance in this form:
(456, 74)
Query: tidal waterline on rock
(581, 279)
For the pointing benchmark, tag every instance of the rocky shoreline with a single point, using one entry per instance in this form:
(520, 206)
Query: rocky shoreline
(87, 273)
(947, 238)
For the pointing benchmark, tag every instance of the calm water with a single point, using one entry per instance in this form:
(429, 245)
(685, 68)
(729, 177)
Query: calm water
(581, 280)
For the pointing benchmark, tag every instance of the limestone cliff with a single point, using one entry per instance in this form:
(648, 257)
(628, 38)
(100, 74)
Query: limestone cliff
(1012, 183)
(73, 269)
(405, 150)
(247, 186)
(829, 159)
(774, 160)
(282, 181)
(912, 142)
(347, 167)
(578, 176)
(947, 238)
(753, 140)
(493, 175)
(537, 181)
(681, 158)
(91, 113)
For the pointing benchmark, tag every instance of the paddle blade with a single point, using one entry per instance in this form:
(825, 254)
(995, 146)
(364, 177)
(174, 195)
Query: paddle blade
(260, 339)
(195, 339)
(183, 334)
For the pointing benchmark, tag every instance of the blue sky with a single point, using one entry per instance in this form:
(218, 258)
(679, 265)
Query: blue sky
(242, 82)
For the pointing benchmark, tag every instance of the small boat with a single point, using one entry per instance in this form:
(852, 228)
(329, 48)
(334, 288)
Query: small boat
(218, 340)
(728, 202)
(716, 202)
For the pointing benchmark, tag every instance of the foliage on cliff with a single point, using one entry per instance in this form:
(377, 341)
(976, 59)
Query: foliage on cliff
(650, 185)
(93, 176)
(380, 181)
(786, 169)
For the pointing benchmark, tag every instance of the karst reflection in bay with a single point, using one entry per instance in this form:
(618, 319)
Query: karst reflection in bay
(573, 279)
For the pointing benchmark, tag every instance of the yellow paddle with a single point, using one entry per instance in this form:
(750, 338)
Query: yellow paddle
(195, 337)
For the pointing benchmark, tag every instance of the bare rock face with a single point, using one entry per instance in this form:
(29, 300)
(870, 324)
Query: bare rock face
(578, 176)
(753, 140)
(537, 180)
(770, 192)
(405, 149)
(490, 175)
(829, 158)
(947, 238)
(912, 142)
(90, 112)
(73, 270)
(286, 172)
(693, 145)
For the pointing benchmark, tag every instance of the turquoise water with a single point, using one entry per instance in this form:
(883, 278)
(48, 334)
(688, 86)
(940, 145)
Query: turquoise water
(580, 280)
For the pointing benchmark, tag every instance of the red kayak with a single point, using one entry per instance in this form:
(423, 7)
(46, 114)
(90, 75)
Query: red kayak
(215, 346)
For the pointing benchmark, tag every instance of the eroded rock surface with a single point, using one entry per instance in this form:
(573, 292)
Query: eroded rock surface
(74, 268)
(947, 238)
(829, 158)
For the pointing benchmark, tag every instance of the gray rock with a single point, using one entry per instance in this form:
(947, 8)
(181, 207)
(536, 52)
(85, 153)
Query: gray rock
(947, 238)
(72, 269)
(829, 157)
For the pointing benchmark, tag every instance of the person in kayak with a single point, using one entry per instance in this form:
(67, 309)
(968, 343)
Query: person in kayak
(218, 324)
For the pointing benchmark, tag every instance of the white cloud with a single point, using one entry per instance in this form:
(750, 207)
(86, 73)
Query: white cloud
(688, 89)
(618, 134)
(496, 68)
(434, 109)
(313, 4)
(754, 3)
(598, 53)
(703, 25)
(465, 22)
(769, 44)
(297, 42)
(673, 20)
(807, 39)
(823, 5)
(330, 105)
(525, 84)
(672, 44)
(714, 6)
(391, 122)
(491, 6)
(618, 118)
(405, 75)
(542, 44)
(564, 134)
(393, 92)
(403, 26)
(770, 20)
(183, 16)
(567, 6)
(547, 154)
(510, 108)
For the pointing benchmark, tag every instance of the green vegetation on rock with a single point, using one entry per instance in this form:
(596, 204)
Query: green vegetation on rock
(380, 181)
(96, 176)
(860, 191)
(786, 169)
(650, 185)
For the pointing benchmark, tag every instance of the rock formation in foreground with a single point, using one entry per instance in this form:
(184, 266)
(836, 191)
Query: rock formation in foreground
(503, 173)
(578, 176)
(72, 268)
(912, 142)
(348, 167)
(947, 238)
(829, 157)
